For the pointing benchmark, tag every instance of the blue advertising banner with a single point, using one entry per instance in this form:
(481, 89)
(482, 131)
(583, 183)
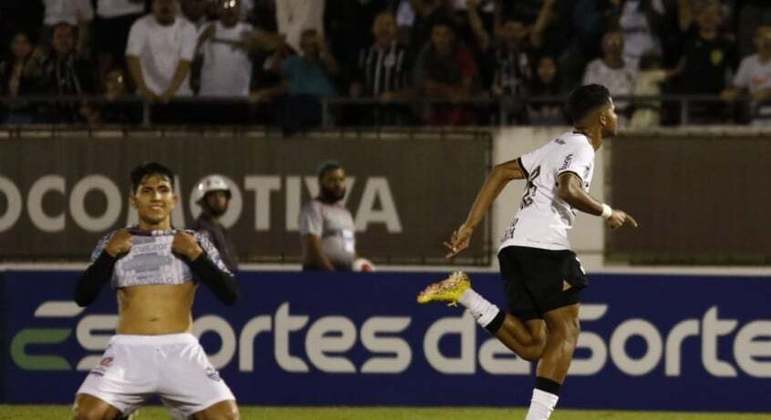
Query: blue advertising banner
(647, 342)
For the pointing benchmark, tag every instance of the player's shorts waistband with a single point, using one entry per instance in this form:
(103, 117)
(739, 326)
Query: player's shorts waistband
(153, 340)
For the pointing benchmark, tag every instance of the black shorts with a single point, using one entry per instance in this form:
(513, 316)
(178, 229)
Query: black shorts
(537, 281)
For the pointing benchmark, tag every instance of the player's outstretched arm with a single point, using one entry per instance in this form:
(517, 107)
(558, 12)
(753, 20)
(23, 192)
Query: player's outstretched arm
(501, 175)
(572, 192)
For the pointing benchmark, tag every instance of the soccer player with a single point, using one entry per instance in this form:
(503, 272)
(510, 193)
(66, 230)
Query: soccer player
(542, 276)
(156, 271)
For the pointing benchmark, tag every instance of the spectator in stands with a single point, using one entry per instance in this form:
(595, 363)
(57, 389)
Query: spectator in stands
(426, 14)
(111, 29)
(507, 61)
(640, 22)
(226, 47)
(548, 21)
(227, 67)
(294, 17)
(116, 109)
(708, 57)
(160, 49)
(612, 70)
(474, 20)
(446, 70)
(61, 73)
(546, 83)
(754, 77)
(14, 82)
(327, 230)
(77, 13)
(343, 18)
(307, 78)
(383, 72)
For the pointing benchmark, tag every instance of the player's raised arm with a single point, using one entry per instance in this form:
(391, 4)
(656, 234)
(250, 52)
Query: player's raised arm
(572, 192)
(501, 175)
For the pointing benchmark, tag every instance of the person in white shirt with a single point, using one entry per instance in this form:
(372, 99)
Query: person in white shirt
(160, 49)
(754, 77)
(542, 276)
(227, 67)
(612, 70)
(77, 13)
(327, 229)
(111, 28)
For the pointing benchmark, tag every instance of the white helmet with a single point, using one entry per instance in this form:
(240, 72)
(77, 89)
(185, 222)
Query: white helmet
(209, 184)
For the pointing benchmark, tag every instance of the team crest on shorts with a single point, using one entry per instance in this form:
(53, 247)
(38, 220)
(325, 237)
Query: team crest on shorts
(212, 374)
(104, 364)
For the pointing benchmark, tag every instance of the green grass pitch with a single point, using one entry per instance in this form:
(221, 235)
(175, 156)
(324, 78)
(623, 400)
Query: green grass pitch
(54, 412)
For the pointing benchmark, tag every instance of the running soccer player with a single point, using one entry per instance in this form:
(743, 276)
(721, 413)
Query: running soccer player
(156, 271)
(542, 276)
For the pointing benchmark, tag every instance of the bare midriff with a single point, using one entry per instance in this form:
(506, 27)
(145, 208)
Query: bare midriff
(155, 309)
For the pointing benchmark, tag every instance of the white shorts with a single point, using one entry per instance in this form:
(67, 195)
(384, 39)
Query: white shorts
(173, 367)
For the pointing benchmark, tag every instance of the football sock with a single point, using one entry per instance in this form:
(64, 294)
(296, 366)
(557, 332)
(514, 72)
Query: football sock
(486, 314)
(545, 396)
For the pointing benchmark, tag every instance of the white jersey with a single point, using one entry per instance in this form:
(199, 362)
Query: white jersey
(544, 219)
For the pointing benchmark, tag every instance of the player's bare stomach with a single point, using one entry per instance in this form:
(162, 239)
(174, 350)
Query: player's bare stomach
(155, 309)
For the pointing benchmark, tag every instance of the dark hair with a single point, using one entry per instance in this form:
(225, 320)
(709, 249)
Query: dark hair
(149, 168)
(586, 99)
(328, 166)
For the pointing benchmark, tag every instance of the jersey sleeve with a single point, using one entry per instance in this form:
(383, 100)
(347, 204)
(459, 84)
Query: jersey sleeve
(311, 221)
(100, 246)
(211, 251)
(577, 160)
(527, 162)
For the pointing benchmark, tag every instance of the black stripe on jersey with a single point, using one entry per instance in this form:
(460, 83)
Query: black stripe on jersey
(571, 172)
(519, 161)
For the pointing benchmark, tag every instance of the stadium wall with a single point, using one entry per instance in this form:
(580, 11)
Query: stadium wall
(649, 342)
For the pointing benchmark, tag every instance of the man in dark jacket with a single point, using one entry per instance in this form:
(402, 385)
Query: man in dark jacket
(213, 195)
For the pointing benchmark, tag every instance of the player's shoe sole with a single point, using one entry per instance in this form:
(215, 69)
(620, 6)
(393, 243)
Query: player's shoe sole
(448, 290)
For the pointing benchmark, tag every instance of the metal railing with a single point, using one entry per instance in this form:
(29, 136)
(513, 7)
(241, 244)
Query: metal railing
(679, 108)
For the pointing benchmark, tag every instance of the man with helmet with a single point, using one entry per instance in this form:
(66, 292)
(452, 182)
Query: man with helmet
(212, 194)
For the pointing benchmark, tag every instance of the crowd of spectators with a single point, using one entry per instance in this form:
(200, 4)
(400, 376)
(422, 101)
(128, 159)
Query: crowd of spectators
(404, 62)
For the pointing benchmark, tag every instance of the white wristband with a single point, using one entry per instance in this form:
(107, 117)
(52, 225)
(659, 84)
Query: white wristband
(606, 211)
